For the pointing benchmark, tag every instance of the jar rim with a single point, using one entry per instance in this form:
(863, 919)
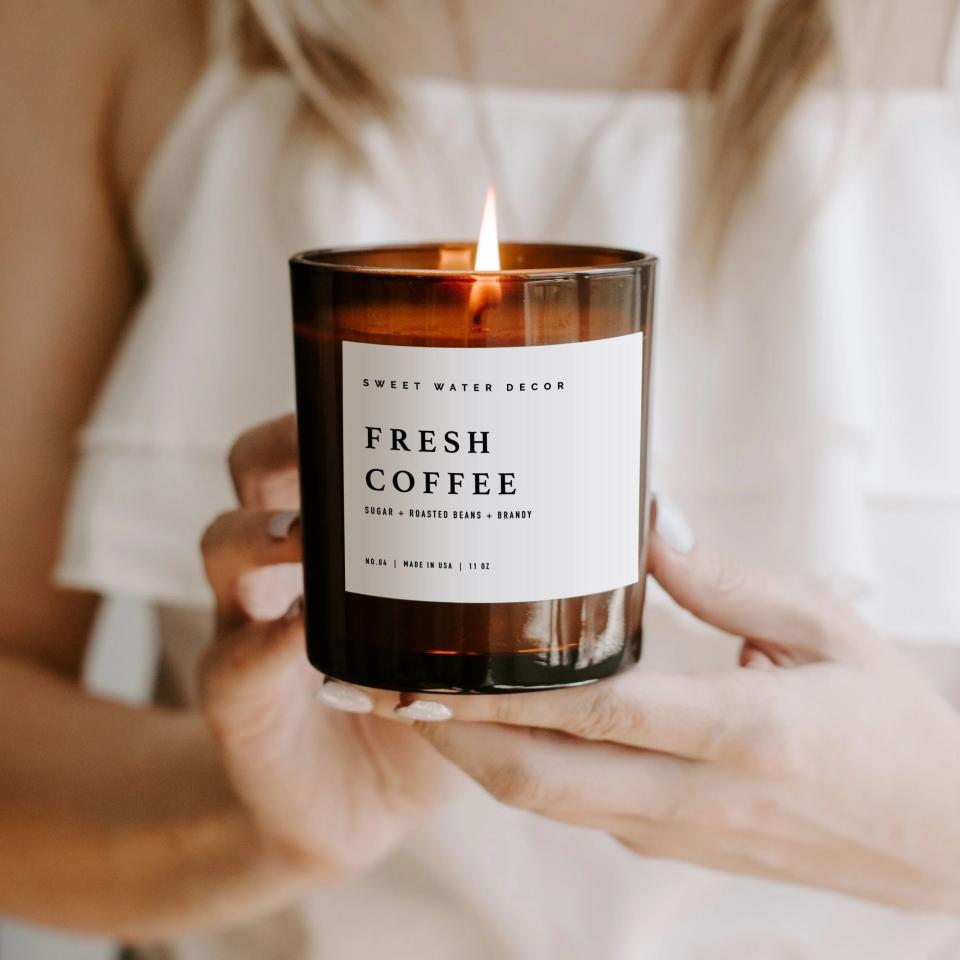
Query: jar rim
(574, 260)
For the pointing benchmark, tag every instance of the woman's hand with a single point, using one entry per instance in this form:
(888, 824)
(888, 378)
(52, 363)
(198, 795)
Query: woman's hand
(328, 791)
(825, 760)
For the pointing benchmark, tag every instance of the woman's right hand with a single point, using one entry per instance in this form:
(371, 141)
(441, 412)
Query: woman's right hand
(330, 791)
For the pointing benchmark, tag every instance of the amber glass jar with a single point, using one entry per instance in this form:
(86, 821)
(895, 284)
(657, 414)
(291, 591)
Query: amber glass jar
(473, 453)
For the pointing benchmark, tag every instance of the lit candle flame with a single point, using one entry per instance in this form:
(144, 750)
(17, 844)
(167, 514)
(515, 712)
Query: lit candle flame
(486, 290)
(488, 248)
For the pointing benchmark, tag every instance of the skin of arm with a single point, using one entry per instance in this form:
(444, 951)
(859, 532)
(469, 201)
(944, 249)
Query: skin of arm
(93, 837)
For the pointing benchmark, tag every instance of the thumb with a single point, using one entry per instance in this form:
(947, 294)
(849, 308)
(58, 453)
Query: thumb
(746, 601)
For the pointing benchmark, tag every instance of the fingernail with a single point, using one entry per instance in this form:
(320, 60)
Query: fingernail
(672, 526)
(341, 696)
(429, 710)
(281, 523)
(294, 610)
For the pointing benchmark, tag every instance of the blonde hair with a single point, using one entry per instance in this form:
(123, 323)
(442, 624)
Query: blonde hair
(753, 65)
(753, 62)
(330, 48)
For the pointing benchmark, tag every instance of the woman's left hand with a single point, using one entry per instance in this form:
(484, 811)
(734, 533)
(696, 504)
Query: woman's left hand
(826, 759)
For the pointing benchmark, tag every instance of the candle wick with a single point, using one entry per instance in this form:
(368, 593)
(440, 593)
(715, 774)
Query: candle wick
(486, 293)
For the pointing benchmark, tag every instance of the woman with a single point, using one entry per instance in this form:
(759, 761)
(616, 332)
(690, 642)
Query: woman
(805, 425)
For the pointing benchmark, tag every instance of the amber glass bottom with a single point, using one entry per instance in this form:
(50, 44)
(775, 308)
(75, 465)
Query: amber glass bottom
(391, 667)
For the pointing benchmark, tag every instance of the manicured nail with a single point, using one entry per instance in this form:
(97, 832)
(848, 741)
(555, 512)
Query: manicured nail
(341, 696)
(294, 610)
(672, 526)
(281, 523)
(429, 710)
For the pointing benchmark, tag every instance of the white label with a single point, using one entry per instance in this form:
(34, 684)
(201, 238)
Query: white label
(492, 475)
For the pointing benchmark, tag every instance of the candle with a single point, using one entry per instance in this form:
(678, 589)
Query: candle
(473, 454)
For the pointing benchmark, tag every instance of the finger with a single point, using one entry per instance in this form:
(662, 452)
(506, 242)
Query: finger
(756, 657)
(263, 466)
(660, 841)
(742, 852)
(250, 663)
(747, 601)
(350, 698)
(570, 779)
(656, 805)
(240, 543)
(760, 852)
(688, 715)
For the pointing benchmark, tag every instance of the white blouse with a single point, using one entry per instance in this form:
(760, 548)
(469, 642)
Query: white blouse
(806, 417)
